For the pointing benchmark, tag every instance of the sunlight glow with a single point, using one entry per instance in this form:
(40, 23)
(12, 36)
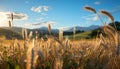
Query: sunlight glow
(3, 19)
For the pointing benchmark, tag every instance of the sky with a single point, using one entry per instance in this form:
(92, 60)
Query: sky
(59, 13)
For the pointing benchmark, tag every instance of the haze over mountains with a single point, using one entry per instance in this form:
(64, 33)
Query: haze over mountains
(78, 28)
(45, 29)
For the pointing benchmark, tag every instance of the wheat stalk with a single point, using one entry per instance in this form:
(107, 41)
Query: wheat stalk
(94, 11)
(30, 55)
(109, 16)
(36, 36)
(49, 28)
(90, 9)
(60, 34)
(24, 33)
(112, 33)
(30, 34)
(12, 16)
(10, 25)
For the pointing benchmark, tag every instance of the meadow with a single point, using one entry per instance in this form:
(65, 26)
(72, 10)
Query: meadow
(98, 53)
(57, 53)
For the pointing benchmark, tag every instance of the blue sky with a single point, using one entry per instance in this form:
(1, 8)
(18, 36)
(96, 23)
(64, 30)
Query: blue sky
(60, 13)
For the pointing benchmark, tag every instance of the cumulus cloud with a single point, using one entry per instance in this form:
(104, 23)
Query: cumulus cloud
(6, 16)
(17, 16)
(40, 9)
(46, 8)
(97, 3)
(37, 9)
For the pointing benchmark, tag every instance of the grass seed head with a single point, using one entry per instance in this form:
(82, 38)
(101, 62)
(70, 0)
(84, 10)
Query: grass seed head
(90, 9)
(107, 14)
(12, 16)
(10, 25)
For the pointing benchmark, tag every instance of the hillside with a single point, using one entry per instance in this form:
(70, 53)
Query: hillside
(9, 33)
(83, 35)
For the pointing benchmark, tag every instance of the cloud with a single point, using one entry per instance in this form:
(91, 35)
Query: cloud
(39, 24)
(6, 16)
(40, 9)
(91, 17)
(44, 23)
(97, 3)
(95, 18)
(46, 8)
(17, 16)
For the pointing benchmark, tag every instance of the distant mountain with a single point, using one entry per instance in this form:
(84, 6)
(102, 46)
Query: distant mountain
(42, 30)
(78, 28)
(45, 30)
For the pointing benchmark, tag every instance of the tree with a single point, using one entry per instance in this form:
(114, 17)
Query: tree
(117, 25)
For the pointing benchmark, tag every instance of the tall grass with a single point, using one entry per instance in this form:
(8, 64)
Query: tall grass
(49, 29)
(54, 53)
(61, 34)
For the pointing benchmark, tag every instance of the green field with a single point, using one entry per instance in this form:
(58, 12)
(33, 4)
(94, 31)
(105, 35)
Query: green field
(84, 35)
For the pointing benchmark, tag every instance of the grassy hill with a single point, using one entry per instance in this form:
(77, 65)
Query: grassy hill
(87, 35)
(7, 33)
(83, 35)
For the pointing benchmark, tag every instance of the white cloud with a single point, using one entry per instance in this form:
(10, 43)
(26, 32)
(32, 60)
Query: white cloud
(97, 3)
(6, 16)
(3, 19)
(95, 18)
(91, 17)
(44, 23)
(17, 16)
(46, 8)
(39, 24)
(40, 9)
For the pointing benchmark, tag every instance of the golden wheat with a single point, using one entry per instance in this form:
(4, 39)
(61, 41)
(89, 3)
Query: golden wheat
(49, 28)
(10, 25)
(12, 16)
(107, 14)
(60, 34)
(24, 33)
(90, 9)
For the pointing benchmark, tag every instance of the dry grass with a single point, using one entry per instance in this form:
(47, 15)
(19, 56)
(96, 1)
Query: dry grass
(54, 53)
(96, 53)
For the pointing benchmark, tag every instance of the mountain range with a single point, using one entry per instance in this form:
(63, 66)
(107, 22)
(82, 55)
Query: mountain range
(78, 28)
(43, 30)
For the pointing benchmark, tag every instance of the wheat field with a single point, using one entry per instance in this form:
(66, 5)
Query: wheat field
(102, 52)
(98, 53)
